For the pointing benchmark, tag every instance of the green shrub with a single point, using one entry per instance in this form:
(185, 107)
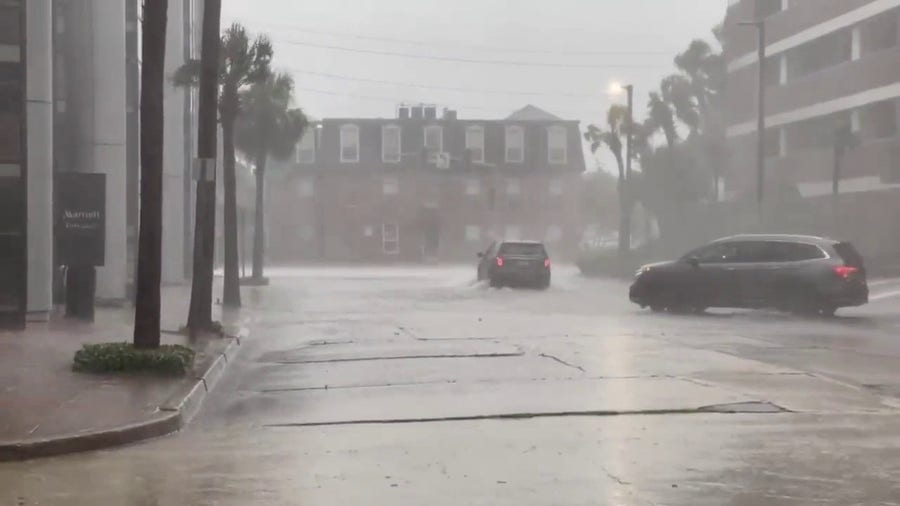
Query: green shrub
(124, 357)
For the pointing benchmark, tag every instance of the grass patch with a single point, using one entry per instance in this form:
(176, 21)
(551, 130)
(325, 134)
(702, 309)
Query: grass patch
(170, 360)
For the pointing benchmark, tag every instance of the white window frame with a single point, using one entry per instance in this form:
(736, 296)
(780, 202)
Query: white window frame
(513, 187)
(555, 188)
(395, 241)
(473, 133)
(557, 133)
(473, 186)
(514, 132)
(390, 185)
(309, 137)
(440, 130)
(307, 187)
(384, 135)
(349, 133)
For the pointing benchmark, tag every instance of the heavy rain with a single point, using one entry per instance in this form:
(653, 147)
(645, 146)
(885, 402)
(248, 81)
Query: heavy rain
(605, 252)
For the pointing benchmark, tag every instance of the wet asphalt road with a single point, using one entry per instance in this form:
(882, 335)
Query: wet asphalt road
(419, 386)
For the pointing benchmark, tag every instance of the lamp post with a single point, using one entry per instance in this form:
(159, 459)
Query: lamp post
(760, 113)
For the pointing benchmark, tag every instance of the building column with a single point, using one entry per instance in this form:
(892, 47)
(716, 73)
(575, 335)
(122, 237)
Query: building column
(109, 140)
(39, 110)
(173, 151)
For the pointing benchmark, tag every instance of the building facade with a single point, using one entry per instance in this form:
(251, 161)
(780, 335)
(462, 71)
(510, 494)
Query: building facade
(419, 188)
(831, 67)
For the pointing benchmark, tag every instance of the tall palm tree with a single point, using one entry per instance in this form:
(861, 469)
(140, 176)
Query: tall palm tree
(267, 128)
(242, 63)
(207, 71)
(661, 118)
(612, 136)
(149, 262)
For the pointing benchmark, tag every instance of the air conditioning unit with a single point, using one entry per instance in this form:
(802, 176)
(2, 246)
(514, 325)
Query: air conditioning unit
(442, 160)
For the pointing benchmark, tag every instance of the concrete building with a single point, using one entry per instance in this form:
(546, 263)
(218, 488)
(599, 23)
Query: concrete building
(420, 187)
(69, 101)
(830, 64)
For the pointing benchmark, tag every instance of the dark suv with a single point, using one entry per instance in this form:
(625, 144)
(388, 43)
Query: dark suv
(811, 275)
(509, 263)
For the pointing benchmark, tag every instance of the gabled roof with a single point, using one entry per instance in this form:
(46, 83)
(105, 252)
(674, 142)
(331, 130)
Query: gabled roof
(532, 113)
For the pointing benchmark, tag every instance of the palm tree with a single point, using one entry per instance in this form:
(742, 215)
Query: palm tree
(267, 128)
(242, 63)
(149, 262)
(612, 136)
(207, 70)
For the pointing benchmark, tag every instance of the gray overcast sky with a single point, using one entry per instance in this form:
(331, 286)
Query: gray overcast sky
(544, 31)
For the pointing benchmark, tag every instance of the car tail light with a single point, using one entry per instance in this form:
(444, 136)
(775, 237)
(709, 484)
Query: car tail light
(499, 261)
(547, 263)
(845, 271)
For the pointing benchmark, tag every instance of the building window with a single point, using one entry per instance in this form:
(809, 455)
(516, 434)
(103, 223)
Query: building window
(512, 233)
(554, 234)
(306, 233)
(515, 144)
(556, 188)
(473, 186)
(349, 144)
(475, 143)
(390, 144)
(368, 231)
(307, 188)
(473, 233)
(390, 238)
(306, 149)
(557, 145)
(513, 187)
(434, 139)
(878, 33)
(879, 120)
(390, 185)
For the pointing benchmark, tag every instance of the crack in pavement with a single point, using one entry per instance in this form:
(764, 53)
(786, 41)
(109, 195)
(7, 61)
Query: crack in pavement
(725, 409)
(399, 357)
(563, 362)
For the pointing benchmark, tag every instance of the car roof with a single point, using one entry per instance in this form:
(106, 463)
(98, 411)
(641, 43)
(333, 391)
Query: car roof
(522, 242)
(808, 239)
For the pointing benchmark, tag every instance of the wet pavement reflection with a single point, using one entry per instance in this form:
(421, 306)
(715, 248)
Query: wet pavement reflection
(419, 386)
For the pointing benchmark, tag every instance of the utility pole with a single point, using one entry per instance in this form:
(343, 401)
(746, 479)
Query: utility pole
(760, 114)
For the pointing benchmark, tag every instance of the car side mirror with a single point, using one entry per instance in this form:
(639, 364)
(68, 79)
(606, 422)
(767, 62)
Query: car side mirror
(693, 262)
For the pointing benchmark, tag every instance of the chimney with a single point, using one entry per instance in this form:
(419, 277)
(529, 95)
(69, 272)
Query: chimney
(403, 112)
(417, 112)
(449, 115)
(430, 112)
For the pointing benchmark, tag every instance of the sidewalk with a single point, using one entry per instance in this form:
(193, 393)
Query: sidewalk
(42, 399)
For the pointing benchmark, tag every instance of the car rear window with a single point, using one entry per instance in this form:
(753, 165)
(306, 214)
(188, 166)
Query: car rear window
(522, 249)
(849, 255)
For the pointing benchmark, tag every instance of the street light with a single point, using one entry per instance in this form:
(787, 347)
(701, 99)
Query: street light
(761, 112)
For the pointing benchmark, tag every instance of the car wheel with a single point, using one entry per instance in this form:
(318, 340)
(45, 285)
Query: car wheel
(496, 283)
(657, 308)
(828, 310)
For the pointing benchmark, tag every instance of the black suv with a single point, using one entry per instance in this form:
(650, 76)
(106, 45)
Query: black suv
(509, 263)
(811, 275)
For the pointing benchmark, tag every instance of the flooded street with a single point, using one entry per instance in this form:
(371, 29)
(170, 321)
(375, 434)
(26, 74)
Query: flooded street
(421, 386)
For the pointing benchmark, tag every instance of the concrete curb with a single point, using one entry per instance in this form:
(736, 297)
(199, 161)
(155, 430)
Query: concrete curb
(174, 413)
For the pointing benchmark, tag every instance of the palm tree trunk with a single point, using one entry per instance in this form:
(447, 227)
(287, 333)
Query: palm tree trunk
(231, 296)
(259, 238)
(149, 262)
(200, 312)
(624, 209)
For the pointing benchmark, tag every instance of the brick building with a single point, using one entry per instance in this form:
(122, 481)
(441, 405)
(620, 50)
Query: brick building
(420, 187)
(830, 65)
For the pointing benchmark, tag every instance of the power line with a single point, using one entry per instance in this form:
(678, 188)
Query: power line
(443, 88)
(470, 60)
(495, 49)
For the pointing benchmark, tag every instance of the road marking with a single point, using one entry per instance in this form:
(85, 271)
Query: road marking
(885, 295)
